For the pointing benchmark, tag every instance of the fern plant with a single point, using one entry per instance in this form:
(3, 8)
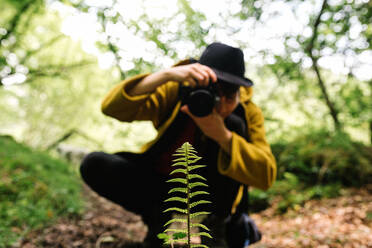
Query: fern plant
(185, 166)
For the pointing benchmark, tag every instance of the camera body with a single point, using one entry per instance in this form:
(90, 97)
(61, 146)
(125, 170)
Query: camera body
(200, 100)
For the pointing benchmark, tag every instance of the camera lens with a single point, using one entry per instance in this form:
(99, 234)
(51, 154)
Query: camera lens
(201, 102)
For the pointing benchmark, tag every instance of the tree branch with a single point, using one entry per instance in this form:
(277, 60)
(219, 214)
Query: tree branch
(15, 21)
(309, 50)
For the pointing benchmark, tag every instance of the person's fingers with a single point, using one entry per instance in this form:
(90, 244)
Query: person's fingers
(192, 81)
(205, 76)
(185, 109)
(211, 74)
(199, 77)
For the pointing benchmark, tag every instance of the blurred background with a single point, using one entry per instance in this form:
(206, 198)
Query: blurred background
(311, 62)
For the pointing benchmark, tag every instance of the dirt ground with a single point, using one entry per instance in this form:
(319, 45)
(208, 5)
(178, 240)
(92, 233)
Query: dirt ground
(341, 222)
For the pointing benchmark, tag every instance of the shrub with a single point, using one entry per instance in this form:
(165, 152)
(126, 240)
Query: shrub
(34, 190)
(321, 157)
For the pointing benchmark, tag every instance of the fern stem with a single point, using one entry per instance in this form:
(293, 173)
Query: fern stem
(188, 200)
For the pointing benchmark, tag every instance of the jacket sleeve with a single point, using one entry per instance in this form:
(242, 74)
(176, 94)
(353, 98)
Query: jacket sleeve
(153, 107)
(250, 162)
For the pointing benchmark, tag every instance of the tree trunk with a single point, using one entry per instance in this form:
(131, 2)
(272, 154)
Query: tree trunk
(309, 50)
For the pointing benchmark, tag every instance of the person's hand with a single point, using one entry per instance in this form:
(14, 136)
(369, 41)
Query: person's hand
(212, 126)
(196, 74)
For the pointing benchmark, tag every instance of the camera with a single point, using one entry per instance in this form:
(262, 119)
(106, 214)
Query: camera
(200, 100)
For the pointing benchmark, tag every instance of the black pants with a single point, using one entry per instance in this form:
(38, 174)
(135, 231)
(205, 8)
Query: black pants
(129, 180)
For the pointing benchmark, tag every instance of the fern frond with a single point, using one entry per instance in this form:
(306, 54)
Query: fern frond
(205, 234)
(196, 184)
(196, 159)
(193, 215)
(194, 204)
(179, 210)
(185, 163)
(183, 159)
(176, 230)
(181, 163)
(176, 198)
(200, 225)
(194, 167)
(193, 176)
(182, 241)
(177, 180)
(182, 190)
(175, 220)
(198, 193)
(184, 171)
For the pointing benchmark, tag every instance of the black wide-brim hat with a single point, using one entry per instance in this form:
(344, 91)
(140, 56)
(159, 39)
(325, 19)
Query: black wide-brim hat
(227, 62)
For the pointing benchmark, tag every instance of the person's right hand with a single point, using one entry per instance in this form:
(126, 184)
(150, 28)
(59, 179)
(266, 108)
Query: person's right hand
(196, 74)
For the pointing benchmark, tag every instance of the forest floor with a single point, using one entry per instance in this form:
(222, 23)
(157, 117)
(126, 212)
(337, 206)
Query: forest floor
(344, 222)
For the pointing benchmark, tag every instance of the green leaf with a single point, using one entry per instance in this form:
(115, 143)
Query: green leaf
(179, 210)
(196, 184)
(177, 180)
(193, 176)
(176, 230)
(183, 159)
(198, 193)
(175, 220)
(179, 235)
(194, 167)
(181, 163)
(184, 171)
(163, 236)
(194, 204)
(200, 225)
(205, 234)
(182, 190)
(177, 199)
(193, 215)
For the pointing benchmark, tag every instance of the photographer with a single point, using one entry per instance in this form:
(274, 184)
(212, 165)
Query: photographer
(206, 102)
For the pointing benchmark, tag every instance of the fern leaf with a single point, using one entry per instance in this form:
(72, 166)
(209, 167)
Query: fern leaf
(194, 204)
(179, 210)
(194, 167)
(176, 198)
(200, 225)
(177, 180)
(182, 159)
(194, 160)
(181, 241)
(182, 190)
(198, 193)
(176, 230)
(193, 176)
(196, 184)
(184, 171)
(183, 163)
(193, 215)
(175, 220)
(205, 234)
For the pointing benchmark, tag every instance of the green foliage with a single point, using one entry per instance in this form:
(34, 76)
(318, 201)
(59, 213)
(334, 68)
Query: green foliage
(190, 183)
(34, 190)
(322, 157)
(315, 165)
(290, 193)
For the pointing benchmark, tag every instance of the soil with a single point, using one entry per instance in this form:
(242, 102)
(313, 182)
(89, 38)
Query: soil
(340, 222)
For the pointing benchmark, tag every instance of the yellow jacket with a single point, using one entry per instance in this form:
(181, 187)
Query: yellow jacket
(251, 162)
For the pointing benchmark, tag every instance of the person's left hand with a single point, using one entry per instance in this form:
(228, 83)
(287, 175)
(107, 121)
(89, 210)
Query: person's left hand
(212, 126)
